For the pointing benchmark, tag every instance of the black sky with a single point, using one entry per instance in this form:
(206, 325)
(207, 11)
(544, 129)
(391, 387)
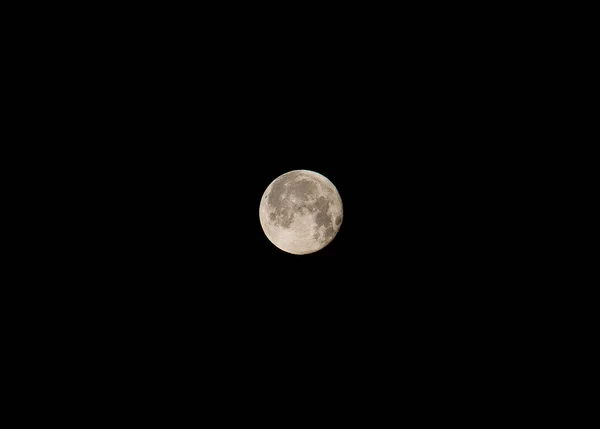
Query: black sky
(187, 126)
(190, 126)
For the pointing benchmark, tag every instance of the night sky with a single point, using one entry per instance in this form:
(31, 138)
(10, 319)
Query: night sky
(188, 126)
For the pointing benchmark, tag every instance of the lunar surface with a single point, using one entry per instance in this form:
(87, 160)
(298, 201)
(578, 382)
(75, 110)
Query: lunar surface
(301, 212)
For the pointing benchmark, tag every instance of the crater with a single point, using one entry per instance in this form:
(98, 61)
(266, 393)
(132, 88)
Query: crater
(280, 189)
(322, 204)
(328, 233)
(279, 202)
(287, 219)
(304, 189)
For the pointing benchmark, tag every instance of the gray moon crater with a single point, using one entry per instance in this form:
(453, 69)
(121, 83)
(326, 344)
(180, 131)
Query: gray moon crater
(301, 212)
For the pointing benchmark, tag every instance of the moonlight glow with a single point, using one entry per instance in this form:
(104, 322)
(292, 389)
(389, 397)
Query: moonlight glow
(301, 212)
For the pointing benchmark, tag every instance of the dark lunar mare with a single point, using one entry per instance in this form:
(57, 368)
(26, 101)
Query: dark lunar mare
(304, 189)
(322, 218)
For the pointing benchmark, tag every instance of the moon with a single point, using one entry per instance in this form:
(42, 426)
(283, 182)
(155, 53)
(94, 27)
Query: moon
(301, 212)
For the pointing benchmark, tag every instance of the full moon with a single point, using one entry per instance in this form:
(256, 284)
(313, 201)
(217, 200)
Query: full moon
(301, 212)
